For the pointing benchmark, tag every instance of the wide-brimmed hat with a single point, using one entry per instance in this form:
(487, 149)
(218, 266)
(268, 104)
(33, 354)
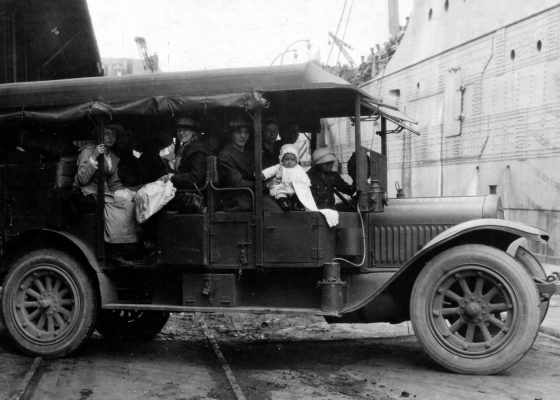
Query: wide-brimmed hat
(322, 156)
(188, 122)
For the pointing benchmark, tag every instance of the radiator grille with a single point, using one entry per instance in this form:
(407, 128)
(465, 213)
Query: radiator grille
(396, 244)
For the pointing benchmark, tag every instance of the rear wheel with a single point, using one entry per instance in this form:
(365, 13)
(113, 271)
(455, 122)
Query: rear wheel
(131, 324)
(475, 310)
(49, 304)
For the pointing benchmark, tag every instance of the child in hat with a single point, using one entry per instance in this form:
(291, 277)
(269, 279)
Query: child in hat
(290, 184)
(284, 175)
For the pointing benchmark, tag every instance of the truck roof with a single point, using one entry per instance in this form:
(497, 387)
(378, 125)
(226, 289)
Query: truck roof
(301, 89)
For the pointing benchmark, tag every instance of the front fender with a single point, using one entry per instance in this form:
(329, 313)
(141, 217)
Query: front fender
(107, 290)
(499, 225)
(498, 233)
(81, 245)
(68, 242)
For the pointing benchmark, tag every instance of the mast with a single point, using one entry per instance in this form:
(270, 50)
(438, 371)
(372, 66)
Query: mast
(393, 10)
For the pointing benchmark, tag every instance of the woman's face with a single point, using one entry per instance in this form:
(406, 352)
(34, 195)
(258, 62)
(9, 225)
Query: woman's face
(185, 134)
(109, 137)
(239, 137)
(270, 133)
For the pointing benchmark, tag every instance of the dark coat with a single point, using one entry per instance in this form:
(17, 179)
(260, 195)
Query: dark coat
(237, 170)
(323, 185)
(270, 158)
(237, 167)
(129, 170)
(191, 167)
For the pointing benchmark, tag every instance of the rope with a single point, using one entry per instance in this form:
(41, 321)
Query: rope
(337, 29)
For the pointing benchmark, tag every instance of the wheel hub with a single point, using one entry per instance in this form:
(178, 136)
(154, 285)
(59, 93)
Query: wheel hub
(474, 309)
(49, 302)
(472, 312)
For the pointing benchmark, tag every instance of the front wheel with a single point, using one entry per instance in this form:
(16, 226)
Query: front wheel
(475, 310)
(49, 304)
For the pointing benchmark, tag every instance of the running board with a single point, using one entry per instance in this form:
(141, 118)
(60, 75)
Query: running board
(252, 310)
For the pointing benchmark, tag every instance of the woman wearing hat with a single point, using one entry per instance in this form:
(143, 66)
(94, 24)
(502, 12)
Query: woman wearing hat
(187, 160)
(85, 180)
(237, 165)
(120, 224)
(325, 181)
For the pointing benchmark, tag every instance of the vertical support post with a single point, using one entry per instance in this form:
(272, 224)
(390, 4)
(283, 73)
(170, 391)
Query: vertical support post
(100, 210)
(258, 189)
(14, 49)
(383, 136)
(211, 179)
(361, 184)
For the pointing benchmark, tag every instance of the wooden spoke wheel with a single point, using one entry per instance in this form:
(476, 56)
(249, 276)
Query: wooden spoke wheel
(475, 309)
(48, 303)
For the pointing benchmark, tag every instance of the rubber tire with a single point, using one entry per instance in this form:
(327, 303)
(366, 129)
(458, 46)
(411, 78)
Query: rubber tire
(432, 330)
(131, 324)
(63, 272)
(534, 269)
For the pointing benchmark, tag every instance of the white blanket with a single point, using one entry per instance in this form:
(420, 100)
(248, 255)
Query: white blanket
(151, 197)
(306, 198)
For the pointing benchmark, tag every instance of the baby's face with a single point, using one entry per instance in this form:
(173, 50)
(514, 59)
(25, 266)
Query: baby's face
(289, 161)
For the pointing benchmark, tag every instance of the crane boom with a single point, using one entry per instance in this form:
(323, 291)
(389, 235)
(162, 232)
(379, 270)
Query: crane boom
(341, 45)
(150, 62)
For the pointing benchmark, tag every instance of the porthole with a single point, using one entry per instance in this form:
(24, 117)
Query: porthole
(430, 14)
(539, 45)
(512, 54)
(446, 5)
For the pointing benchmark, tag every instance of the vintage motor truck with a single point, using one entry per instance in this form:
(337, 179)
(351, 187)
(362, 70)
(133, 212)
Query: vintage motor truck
(453, 266)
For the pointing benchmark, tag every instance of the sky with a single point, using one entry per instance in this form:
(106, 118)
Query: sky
(210, 34)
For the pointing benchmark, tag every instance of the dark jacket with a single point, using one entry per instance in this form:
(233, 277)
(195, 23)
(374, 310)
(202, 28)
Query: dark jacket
(191, 167)
(129, 169)
(237, 167)
(270, 158)
(323, 185)
(237, 170)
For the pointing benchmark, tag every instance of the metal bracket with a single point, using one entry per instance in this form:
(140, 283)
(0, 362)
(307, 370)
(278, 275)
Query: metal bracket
(550, 287)
(331, 281)
(244, 252)
(388, 132)
(207, 289)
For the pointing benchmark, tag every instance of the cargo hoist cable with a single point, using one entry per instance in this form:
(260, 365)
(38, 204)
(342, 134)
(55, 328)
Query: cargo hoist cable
(344, 34)
(337, 29)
